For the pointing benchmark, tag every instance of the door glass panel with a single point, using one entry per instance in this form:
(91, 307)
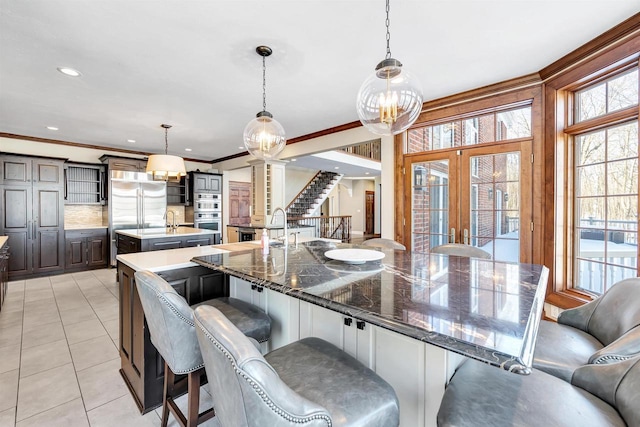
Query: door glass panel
(429, 204)
(494, 208)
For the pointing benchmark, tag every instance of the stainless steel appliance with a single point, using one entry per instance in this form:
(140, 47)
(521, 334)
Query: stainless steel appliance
(135, 202)
(207, 211)
(207, 202)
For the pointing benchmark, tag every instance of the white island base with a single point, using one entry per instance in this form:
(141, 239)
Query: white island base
(417, 371)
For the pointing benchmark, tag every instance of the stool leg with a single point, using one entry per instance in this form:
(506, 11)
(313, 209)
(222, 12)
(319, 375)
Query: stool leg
(168, 383)
(193, 399)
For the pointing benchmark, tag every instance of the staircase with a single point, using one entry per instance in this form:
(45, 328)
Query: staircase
(313, 195)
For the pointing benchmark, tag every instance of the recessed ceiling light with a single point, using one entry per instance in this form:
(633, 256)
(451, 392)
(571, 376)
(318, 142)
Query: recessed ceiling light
(187, 149)
(294, 160)
(131, 140)
(69, 71)
(366, 173)
(241, 148)
(52, 128)
(337, 167)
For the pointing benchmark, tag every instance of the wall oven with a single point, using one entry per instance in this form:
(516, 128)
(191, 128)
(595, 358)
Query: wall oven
(209, 220)
(207, 202)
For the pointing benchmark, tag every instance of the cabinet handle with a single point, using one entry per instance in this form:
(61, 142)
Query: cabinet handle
(260, 289)
(348, 321)
(254, 287)
(28, 230)
(360, 324)
(34, 230)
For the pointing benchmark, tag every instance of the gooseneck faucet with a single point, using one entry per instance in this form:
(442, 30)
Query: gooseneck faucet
(173, 224)
(284, 214)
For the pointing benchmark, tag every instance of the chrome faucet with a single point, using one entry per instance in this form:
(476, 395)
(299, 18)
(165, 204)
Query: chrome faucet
(284, 214)
(173, 224)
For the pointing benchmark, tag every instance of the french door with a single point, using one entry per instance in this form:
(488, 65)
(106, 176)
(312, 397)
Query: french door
(479, 195)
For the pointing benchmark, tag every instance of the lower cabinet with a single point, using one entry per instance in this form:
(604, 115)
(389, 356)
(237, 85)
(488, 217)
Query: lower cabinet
(4, 272)
(417, 371)
(128, 244)
(86, 249)
(142, 366)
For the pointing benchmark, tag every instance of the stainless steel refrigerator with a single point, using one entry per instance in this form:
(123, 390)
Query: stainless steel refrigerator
(135, 202)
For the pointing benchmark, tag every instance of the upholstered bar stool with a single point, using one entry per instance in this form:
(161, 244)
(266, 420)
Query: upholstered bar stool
(460, 249)
(170, 321)
(385, 244)
(598, 395)
(602, 331)
(309, 382)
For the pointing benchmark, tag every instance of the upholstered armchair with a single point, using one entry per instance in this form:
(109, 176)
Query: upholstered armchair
(604, 330)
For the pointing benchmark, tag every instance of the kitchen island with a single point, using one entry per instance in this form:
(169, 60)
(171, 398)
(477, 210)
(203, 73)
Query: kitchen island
(410, 317)
(155, 239)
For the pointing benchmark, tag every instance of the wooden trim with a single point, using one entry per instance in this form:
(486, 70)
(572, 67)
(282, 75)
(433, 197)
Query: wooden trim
(604, 41)
(488, 91)
(565, 300)
(608, 120)
(89, 146)
(335, 129)
(400, 190)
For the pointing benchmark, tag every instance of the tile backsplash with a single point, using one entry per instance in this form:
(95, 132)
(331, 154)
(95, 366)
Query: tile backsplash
(84, 216)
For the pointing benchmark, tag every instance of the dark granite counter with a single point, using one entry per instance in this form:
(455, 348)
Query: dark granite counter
(486, 310)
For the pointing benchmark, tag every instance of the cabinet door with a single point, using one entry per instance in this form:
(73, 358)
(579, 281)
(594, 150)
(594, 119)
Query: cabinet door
(215, 183)
(158, 245)
(75, 251)
(319, 322)
(199, 182)
(134, 165)
(284, 312)
(97, 251)
(16, 223)
(48, 243)
(48, 173)
(191, 242)
(16, 170)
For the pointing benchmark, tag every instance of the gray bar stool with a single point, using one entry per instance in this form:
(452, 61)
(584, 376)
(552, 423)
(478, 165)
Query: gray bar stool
(309, 382)
(459, 249)
(170, 321)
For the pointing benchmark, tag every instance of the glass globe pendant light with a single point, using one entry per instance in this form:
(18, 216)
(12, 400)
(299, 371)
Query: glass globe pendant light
(390, 99)
(263, 136)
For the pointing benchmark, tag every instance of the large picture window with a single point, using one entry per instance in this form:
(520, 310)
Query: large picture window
(605, 184)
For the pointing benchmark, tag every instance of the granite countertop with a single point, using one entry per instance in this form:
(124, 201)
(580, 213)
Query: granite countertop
(154, 233)
(486, 310)
(3, 240)
(170, 259)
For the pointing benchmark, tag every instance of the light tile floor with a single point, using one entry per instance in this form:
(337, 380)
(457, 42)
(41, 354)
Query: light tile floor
(59, 356)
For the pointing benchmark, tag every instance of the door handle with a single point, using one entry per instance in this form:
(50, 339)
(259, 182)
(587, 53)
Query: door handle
(466, 236)
(453, 235)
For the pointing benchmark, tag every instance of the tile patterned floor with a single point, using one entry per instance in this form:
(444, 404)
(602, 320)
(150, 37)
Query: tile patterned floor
(59, 355)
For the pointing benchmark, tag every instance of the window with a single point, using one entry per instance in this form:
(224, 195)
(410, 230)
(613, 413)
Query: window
(605, 183)
(509, 124)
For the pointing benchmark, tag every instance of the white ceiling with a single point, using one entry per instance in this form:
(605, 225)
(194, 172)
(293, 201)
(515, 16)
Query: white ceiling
(193, 64)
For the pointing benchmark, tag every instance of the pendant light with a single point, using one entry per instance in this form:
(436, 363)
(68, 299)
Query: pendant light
(264, 137)
(163, 166)
(390, 99)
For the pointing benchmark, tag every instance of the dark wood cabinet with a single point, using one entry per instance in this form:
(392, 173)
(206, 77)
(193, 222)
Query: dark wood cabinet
(178, 192)
(205, 182)
(4, 272)
(31, 202)
(84, 184)
(128, 244)
(142, 366)
(86, 249)
(124, 163)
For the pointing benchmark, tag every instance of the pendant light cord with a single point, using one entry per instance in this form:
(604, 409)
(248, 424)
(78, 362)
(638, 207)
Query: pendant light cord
(166, 141)
(388, 34)
(264, 84)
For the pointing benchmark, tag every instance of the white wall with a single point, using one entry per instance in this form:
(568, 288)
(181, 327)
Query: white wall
(352, 202)
(337, 140)
(295, 180)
